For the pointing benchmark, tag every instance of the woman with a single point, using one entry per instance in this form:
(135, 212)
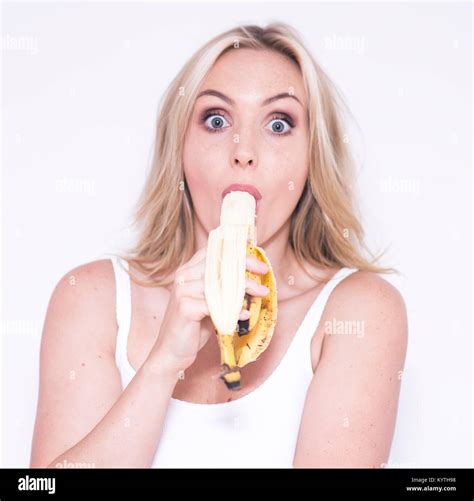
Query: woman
(250, 107)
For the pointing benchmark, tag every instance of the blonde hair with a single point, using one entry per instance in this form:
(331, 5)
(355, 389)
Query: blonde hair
(325, 230)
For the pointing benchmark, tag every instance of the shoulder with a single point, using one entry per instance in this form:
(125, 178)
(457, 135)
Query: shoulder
(79, 380)
(84, 296)
(89, 281)
(93, 273)
(362, 287)
(369, 302)
(364, 333)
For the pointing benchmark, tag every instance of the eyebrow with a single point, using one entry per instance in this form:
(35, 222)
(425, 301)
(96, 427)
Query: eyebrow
(265, 102)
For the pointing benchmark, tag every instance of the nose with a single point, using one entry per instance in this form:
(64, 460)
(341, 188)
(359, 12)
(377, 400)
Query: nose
(243, 161)
(244, 154)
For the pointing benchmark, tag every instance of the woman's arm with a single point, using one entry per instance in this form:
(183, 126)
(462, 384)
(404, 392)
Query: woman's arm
(351, 405)
(83, 417)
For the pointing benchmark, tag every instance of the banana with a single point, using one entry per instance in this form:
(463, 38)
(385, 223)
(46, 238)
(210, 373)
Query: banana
(263, 315)
(240, 342)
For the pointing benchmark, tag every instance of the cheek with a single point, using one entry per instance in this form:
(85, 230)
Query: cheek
(289, 168)
(195, 181)
(287, 193)
(201, 153)
(198, 159)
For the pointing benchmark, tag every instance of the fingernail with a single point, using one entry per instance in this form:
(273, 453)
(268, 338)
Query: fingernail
(264, 267)
(245, 315)
(264, 289)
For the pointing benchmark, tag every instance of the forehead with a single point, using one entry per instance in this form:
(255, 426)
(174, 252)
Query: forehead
(252, 75)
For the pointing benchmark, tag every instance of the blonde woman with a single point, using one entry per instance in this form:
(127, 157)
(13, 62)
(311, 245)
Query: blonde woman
(250, 107)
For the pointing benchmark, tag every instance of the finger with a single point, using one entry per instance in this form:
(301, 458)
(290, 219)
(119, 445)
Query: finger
(244, 315)
(255, 265)
(193, 308)
(195, 268)
(255, 289)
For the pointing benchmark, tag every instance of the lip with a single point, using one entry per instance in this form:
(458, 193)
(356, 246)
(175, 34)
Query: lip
(245, 187)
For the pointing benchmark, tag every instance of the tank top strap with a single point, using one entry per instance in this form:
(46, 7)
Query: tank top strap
(123, 305)
(313, 317)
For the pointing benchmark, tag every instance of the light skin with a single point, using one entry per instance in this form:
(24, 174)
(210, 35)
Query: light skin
(239, 138)
(84, 415)
(351, 404)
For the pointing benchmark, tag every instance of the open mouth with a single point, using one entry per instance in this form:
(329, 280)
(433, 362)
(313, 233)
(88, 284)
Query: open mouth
(252, 190)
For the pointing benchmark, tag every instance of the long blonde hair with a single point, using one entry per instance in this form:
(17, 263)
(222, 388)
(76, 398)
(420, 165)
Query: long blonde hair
(325, 230)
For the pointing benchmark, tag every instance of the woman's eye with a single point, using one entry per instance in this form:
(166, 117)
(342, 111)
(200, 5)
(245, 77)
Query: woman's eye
(215, 122)
(280, 126)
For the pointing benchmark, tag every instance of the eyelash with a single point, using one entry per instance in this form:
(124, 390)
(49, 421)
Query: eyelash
(276, 116)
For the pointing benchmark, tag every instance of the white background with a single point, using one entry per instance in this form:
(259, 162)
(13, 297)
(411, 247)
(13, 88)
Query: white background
(81, 84)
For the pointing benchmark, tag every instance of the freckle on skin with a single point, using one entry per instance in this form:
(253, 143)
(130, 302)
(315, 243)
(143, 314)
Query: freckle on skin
(83, 364)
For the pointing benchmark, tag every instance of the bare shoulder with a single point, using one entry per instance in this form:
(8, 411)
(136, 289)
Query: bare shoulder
(88, 287)
(79, 380)
(97, 274)
(368, 301)
(373, 293)
(371, 289)
(364, 339)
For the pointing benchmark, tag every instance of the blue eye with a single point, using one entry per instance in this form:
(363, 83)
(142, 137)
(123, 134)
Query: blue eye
(215, 122)
(281, 125)
(278, 126)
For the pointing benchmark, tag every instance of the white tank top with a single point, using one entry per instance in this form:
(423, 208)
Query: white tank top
(258, 430)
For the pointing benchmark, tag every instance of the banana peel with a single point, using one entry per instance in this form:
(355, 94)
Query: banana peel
(263, 315)
(240, 341)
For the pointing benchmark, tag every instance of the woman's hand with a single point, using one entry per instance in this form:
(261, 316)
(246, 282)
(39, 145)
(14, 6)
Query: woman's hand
(181, 337)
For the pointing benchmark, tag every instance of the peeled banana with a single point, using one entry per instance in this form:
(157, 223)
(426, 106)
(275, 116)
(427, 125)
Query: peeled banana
(240, 342)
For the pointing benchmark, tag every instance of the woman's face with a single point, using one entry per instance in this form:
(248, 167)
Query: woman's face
(241, 136)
